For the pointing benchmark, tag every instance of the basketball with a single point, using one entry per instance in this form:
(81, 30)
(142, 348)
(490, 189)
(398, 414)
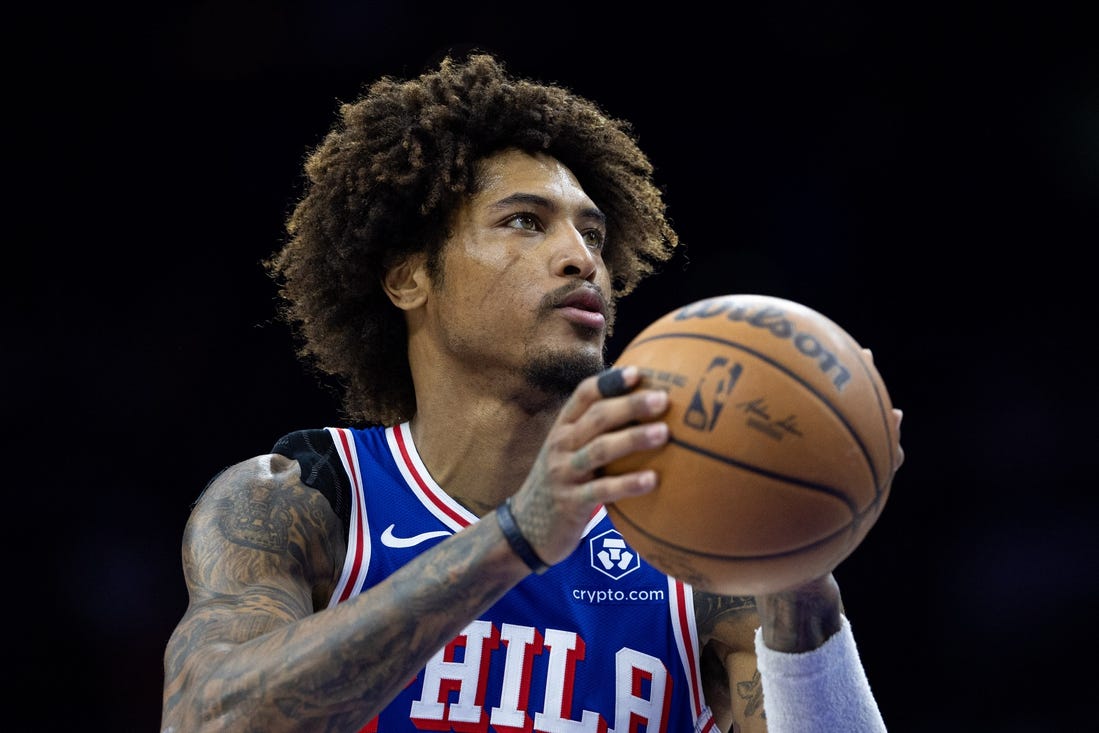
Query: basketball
(781, 452)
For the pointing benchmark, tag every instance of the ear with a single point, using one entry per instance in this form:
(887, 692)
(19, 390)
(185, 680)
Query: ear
(406, 283)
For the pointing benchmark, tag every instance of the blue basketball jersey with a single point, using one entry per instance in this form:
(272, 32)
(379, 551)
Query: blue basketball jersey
(600, 642)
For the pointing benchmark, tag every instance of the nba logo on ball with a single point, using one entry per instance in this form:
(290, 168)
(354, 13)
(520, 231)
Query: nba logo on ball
(713, 390)
(782, 445)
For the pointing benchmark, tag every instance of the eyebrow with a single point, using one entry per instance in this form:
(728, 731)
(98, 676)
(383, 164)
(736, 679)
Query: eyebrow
(533, 199)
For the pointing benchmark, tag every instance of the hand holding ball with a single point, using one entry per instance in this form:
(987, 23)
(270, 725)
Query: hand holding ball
(782, 448)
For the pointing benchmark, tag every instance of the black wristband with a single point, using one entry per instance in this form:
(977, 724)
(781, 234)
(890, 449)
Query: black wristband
(515, 538)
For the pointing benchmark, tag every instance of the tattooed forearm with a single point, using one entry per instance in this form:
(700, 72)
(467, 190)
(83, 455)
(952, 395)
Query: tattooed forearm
(803, 618)
(727, 627)
(711, 609)
(750, 693)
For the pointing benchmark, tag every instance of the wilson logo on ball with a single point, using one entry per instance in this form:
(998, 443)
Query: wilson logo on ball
(773, 320)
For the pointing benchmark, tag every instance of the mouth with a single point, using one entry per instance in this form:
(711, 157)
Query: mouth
(584, 306)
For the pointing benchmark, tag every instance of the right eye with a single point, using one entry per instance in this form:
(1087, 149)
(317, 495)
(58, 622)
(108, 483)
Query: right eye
(524, 220)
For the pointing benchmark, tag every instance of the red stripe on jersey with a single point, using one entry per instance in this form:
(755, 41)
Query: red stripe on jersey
(398, 433)
(689, 647)
(356, 565)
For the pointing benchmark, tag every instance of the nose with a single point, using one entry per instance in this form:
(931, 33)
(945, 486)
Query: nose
(573, 257)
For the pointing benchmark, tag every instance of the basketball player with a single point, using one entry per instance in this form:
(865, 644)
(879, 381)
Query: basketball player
(456, 261)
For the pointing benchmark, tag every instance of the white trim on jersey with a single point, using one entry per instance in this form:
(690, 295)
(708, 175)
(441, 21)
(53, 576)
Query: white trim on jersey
(358, 541)
(596, 519)
(434, 498)
(682, 612)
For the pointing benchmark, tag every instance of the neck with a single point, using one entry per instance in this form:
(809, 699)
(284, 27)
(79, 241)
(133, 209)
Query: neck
(479, 445)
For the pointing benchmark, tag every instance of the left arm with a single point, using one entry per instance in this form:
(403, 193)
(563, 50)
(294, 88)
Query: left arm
(730, 679)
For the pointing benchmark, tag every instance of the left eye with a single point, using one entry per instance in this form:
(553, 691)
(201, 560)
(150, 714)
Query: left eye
(595, 239)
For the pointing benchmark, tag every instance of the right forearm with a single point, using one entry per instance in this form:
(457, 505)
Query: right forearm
(801, 619)
(345, 664)
(813, 679)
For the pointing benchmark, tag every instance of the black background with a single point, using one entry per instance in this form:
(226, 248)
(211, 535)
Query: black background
(927, 175)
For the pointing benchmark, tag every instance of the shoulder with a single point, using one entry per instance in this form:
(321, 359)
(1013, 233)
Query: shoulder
(259, 499)
(270, 480)
(301, 457)
(257, 520)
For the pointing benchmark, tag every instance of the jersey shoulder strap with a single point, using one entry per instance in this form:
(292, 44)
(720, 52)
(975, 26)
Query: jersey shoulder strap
(321, 468)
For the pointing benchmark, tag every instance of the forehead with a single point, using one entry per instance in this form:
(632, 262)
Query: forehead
(509, 171)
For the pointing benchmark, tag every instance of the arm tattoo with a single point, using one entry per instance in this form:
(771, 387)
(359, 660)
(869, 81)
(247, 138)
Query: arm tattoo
(257, 522)
(257, 648)
(726, 626)
(751, 692)
(711, 608)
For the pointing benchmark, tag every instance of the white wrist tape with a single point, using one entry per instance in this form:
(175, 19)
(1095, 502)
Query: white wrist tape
(820, 691)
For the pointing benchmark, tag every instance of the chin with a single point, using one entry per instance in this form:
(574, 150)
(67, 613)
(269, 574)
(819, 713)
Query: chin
(558, 373)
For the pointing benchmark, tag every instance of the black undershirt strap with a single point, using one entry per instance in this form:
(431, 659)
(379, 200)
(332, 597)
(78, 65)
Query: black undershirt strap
(321, 468)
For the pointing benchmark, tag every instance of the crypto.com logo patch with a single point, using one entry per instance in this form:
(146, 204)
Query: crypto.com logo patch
(611, 555)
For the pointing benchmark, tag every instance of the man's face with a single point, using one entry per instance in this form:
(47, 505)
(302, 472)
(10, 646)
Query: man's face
(524, 286)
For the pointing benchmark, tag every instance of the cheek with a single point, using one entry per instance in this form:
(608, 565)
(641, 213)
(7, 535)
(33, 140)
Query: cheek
(483, 252)
(603, 279)
(491, 273)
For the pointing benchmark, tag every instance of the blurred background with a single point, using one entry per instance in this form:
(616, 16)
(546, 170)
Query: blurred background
(926, 174)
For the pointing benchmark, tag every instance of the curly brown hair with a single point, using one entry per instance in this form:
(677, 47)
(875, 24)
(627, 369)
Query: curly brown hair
(383, 182)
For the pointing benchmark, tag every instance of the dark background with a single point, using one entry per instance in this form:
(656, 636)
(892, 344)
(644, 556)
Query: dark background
(927, 175)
